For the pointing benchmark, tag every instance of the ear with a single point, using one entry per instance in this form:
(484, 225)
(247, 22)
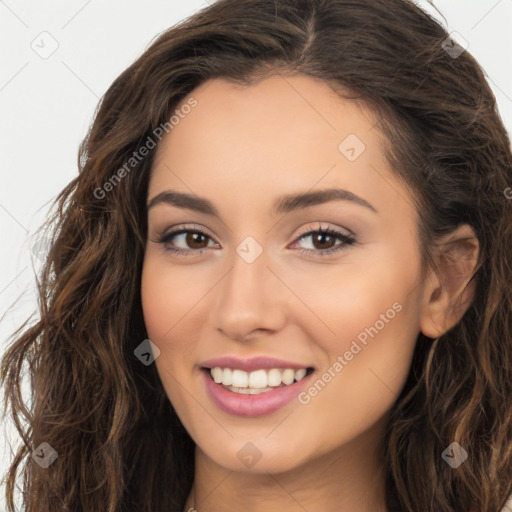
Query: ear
(446, 294)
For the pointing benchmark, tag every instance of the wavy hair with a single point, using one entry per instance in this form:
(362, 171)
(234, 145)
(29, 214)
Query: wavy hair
(120, 444)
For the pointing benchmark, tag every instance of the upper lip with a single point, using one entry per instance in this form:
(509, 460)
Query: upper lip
(254, 363)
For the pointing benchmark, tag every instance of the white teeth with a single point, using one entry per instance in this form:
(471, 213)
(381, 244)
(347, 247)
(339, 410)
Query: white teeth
(288, 376)
(300, 374)
(217, 374)
(257, 381)
(249, 391)
(274, 377)
(240, 379)
(227, 376)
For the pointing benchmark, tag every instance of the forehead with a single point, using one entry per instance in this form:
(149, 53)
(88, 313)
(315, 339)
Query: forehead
(280, 135)
(279, 113)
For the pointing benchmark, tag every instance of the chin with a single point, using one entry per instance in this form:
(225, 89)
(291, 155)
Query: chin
(257, 457)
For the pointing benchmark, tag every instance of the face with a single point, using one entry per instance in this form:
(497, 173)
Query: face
(266, 289)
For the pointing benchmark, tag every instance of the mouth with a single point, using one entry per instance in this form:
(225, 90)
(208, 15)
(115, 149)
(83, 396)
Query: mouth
(255, 391)
(256, 382)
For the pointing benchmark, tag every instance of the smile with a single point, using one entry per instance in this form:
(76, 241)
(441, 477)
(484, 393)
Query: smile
(258, 381)
(253, 387)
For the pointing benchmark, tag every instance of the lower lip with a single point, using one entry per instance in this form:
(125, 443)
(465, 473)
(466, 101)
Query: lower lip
(252, 405)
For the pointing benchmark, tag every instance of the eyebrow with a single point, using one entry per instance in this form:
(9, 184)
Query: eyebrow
(284, 204)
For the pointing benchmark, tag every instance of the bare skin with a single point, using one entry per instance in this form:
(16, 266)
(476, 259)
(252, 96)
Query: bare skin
(242, 148)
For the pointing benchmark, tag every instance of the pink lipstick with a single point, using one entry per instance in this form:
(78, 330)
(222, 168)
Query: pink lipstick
(256, 386)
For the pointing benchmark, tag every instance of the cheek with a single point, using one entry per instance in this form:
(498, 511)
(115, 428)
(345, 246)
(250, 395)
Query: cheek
(366, 366)
(175, 307)
(165, 300)
(167, 297)
(368, 292)
(371, 308)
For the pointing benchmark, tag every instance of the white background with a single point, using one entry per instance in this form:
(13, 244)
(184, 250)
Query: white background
(47, 105)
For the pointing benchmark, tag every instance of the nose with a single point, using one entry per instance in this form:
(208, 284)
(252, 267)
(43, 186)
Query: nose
(250, 298)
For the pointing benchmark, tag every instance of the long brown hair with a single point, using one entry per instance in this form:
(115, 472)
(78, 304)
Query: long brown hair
(119, 442)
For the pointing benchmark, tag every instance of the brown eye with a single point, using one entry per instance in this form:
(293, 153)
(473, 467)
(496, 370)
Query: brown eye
(193, 240)
(323, 241)
(319, 241)
(184, 241)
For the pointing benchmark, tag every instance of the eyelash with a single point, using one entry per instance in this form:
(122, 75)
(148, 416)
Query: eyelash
(347, 240)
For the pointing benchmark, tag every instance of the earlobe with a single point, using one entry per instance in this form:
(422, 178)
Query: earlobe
(449, 290)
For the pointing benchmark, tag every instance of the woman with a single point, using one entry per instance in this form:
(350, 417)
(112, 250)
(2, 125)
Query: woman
(281, 280)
